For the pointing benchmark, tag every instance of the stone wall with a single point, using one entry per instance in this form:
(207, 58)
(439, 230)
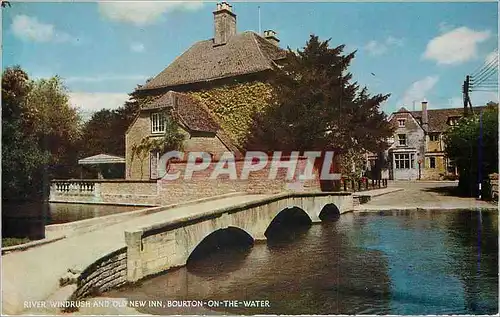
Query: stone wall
(200, 185)
(104, 191)
(104, 274)
(436, 173)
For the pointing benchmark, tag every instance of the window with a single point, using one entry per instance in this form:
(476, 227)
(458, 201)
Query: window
(403, 160)
(401, 123)
(453, 120)
(432, 162)
(434, 137)
(402, 139)
(157, 122)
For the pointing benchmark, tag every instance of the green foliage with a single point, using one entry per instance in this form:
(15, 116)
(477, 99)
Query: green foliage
(462, 147)
(317, 107)
(105, 131)
(39, 133)
(235, 105)
(9, 242)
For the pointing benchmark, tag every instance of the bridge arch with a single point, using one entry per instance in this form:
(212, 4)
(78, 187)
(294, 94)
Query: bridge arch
(231, 236)
(329, 212)
(290, 216)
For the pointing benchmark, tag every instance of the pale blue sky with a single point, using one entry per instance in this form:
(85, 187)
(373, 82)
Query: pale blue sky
(103, 50)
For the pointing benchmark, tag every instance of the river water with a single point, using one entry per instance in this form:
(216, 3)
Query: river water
(28, 220)
(369, 263)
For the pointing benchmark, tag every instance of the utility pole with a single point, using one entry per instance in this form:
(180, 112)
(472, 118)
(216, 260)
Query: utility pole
(465, 91)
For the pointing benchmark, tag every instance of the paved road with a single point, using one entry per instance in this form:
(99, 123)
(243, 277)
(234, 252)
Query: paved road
(420, 194)
(34, 274)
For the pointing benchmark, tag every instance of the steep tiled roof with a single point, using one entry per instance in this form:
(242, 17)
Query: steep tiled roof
(438, 118)
(194, 115)
(244, 53)
(187, 111)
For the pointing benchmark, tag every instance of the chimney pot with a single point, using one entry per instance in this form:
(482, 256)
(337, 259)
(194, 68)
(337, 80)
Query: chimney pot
(272, 37)
(425, 118)
(224, 23)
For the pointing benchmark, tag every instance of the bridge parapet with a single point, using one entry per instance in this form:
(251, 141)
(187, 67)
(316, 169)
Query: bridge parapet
(161, 246)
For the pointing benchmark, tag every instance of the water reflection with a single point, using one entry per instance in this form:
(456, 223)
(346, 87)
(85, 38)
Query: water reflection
(402, 263)
(29, 219)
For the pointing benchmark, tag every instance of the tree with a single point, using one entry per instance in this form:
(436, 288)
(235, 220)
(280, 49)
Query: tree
(462, 147)
(39, 134)
(22, 159)
(317, 107)
(105, 131)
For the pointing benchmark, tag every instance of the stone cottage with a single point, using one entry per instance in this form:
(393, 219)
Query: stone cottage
(214, 88)
(417, 147)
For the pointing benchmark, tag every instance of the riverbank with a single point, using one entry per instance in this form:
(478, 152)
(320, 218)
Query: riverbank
(424, 195)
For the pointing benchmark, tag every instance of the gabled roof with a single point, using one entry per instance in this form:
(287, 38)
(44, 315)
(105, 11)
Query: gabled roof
(102, 159)
(438, 118)
(402, 109)
(244, 53)
(187, 111)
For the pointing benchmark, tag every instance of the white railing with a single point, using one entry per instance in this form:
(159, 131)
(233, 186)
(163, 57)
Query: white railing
(71, 187)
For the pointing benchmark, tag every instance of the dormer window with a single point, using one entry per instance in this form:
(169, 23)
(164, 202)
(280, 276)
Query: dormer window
(453, 121)
(401, 123)
(434, 137)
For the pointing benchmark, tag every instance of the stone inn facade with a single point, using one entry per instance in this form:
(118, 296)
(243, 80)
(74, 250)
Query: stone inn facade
(416, 150)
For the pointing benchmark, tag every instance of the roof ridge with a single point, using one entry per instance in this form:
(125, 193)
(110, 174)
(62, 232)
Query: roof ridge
(258, 47)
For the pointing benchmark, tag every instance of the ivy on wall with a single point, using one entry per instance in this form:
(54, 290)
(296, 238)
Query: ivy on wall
(234, 106)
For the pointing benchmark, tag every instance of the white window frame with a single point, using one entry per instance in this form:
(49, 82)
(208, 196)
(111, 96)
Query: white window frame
(158, 121)
(404, 160)
(401, 123)
(400, 139)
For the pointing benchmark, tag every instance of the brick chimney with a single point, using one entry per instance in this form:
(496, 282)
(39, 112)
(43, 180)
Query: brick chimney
(425, 118)
(224, 23)
(272, 37)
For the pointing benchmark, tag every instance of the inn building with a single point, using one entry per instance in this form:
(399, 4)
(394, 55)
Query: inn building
(417, 148)
(211, 90)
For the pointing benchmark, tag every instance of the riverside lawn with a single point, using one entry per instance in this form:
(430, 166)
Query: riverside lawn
(253, 161)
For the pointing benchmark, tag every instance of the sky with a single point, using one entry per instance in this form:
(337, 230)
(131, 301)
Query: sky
(103, 50)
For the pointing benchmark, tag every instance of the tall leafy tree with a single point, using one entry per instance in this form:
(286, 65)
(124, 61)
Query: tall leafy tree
(22, 159)
(462, 147)
(39, 133)
(317, 106)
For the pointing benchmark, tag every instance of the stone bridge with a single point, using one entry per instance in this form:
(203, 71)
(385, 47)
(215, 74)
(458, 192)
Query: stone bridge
(117, 253)
(161, 246)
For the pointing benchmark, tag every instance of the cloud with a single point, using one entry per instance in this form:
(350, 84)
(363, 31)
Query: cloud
(30, 29)
(380, 47)
(137, 47)
(88, 102)
(491, 56)
(144, 13)
(418, 90)
(456, 46)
